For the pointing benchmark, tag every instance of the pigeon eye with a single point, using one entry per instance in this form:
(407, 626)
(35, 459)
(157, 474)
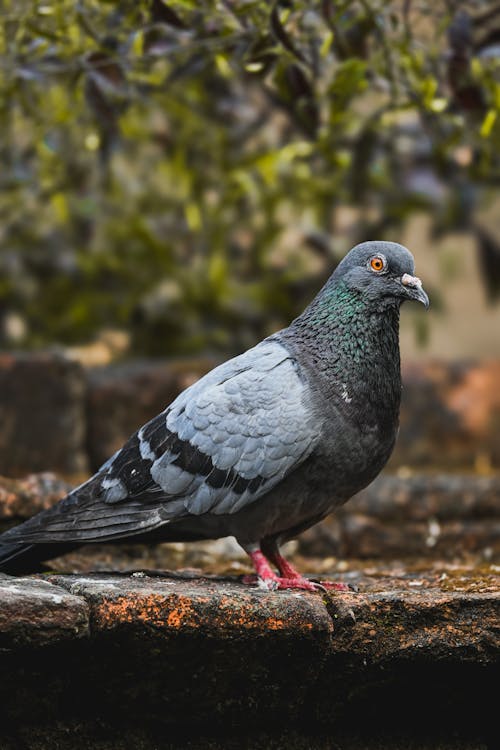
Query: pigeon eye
(378, 263)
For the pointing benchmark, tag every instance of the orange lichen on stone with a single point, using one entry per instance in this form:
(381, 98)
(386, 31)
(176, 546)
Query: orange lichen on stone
(234, 612)
(183, 614)
(221, 614)
(273, 623)
(249, 621)
(152, 609)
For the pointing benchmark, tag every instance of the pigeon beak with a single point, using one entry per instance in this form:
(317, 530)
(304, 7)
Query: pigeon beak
(414, 289)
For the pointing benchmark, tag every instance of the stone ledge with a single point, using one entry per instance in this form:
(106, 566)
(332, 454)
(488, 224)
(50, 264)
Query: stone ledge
(215, 607)
(413, 612)
(188, 651)
(40, 613)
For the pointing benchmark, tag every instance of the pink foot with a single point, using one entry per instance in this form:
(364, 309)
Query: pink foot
(273, 582)
(289, 579)
(335, 586)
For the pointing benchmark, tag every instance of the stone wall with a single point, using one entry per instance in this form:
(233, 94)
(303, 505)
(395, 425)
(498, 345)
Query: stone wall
(55, 415)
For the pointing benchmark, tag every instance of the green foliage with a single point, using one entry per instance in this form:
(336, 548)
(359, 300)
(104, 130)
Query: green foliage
(178, 168)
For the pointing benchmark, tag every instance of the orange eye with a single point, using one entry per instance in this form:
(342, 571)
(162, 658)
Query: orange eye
(377, 263)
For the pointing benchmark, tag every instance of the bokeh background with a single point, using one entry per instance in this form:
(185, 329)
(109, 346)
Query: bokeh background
(180, 177)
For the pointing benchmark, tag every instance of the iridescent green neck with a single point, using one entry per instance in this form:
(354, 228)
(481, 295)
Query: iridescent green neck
(341, 328)
(347, 346)
(336, 307)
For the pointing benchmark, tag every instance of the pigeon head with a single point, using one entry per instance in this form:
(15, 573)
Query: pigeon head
(382, 273)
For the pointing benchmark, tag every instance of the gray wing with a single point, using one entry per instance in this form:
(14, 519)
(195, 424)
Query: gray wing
(223, 443)
(237, 436)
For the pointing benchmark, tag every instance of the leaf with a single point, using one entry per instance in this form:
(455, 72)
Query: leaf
(282, 35)
(489, 257)
(296, 91)
(106, 94)
(261, 56)
(158, 41)
(106, 75)
(162, 13)
(488, 123)
(350, 79)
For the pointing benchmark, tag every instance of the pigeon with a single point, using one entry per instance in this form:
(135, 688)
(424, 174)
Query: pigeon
(262, 447)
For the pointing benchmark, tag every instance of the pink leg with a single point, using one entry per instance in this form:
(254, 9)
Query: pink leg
(271, 551)
(268, 579)
(285, 568)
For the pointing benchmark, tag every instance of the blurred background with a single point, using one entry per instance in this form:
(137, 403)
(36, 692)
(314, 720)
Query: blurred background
(177, 180)
(183, 176)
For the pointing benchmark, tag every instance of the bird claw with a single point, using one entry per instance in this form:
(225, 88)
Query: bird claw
(336, 586)
(318, 586)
